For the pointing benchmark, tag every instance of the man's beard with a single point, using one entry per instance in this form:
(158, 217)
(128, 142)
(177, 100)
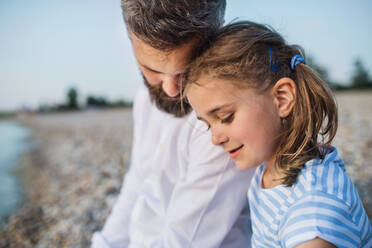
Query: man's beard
(176, 106)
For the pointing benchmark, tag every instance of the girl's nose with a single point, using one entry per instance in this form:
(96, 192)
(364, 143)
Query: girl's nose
(218, 138)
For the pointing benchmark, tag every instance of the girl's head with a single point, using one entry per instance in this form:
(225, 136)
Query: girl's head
(259, 108)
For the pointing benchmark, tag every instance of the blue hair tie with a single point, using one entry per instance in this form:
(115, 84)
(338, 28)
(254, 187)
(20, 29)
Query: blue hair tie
(273, 65)
(297, 59)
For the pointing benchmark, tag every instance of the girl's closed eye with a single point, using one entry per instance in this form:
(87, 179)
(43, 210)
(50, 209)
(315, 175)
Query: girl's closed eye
(206, 125)
(228, 119)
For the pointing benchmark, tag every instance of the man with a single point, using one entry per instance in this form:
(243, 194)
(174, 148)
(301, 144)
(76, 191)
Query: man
(180, 190)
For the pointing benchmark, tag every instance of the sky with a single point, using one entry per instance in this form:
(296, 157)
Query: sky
(48, 46)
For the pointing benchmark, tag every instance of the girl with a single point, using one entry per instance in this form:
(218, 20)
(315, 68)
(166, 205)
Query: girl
(267, 109)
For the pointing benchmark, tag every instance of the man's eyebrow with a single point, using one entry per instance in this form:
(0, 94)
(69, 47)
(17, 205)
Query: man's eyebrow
(148, 68)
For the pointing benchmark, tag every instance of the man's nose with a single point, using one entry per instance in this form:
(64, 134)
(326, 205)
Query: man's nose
(170, 85)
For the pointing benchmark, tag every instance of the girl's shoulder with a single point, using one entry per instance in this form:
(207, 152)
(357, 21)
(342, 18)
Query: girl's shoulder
(328, 176)
(323, 199)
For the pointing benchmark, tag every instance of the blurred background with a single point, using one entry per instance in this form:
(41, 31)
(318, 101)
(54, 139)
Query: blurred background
(68, 78)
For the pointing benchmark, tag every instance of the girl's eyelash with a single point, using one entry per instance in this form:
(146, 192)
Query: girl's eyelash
(208, 126)
(228, 119)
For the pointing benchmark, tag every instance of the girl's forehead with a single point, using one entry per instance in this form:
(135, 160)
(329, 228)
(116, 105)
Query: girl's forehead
(212, 83)
(226, 88)
(209, 87)
(208, 92)
(214, 92)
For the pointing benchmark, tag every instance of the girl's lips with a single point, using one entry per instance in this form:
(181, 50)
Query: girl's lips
(235, 152)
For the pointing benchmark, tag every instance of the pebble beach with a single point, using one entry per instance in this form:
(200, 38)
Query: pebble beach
(73, 173)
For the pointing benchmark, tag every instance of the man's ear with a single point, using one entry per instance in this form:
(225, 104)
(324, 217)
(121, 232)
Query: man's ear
(284, 92)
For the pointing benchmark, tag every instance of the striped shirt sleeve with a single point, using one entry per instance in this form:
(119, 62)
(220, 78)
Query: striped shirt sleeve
(323, 215)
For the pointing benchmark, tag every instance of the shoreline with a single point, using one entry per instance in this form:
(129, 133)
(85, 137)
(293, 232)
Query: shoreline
(71, 177)
(19, 137)
(23, 226)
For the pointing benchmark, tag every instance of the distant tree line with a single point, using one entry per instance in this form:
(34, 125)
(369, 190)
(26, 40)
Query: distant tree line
(360, 78)
(5, 115)
(92, 102)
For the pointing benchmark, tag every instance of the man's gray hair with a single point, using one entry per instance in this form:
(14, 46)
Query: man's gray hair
(168, 24)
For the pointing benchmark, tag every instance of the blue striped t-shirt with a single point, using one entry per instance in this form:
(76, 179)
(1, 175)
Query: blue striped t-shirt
(322, 203)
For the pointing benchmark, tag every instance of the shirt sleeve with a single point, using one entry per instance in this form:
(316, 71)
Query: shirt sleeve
(115, 232)
(208, 199)
(322, 215)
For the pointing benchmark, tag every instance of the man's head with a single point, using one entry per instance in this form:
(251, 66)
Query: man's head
(166, 35)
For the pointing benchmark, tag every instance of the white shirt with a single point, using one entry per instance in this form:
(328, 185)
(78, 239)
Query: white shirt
(180, 190)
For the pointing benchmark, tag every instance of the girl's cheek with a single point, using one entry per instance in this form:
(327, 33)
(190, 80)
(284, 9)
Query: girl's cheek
(240, 131)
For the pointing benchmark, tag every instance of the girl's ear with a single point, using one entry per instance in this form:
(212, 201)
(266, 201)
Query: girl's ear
(284, 92)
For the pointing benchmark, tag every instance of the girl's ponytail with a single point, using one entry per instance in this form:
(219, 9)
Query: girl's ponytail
(310, 128)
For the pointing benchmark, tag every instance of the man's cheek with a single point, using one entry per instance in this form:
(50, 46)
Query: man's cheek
(151, 79)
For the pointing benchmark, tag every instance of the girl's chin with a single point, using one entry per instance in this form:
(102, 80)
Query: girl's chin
(244, 165)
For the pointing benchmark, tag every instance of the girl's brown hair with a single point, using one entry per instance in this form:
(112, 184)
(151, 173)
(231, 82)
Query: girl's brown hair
(240, 53)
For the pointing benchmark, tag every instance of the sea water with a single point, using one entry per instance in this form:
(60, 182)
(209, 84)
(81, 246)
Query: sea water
(13, 142)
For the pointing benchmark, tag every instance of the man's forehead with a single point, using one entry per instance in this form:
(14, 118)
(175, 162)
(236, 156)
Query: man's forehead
(173, 61)
(191, 44)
